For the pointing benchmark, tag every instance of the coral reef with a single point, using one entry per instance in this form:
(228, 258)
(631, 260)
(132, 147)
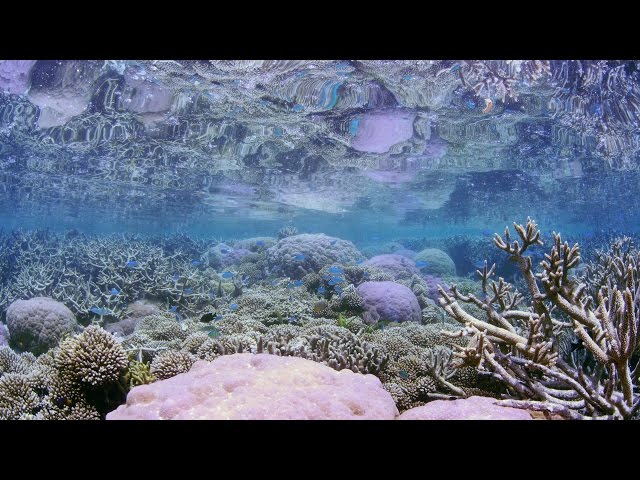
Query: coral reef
(521, 346)
(38, 324)
(298, 255)
(93, 357)
(438, 263)
(247, 386)
(389, 301)
(472, 408)
(398, 266)
(170, 363)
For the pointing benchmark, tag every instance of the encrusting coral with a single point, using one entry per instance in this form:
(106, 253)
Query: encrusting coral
(520, 346)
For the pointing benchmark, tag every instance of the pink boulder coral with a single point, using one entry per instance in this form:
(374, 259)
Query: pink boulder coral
(472, 408)
(245, 386)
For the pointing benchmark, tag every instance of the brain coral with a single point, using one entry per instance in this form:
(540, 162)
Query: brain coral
(389, 301)
(260, 386)
(38, 324)
(300, 254)
(439, 264)
(396, 265)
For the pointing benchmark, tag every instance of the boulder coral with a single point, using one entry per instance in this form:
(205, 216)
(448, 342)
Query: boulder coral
(299, 255)
(389, 301)
(439, 264)
(398, 266)
(38, 324)
(256, 387)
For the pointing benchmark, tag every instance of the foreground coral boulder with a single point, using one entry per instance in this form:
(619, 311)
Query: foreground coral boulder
(472, 408)
(246, 386)
(38, 324)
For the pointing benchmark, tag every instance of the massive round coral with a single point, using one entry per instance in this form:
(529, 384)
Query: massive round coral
(398, 266)
(38, 324)
(299, 255)
(438, 263)
(389, 301)
(248, 386)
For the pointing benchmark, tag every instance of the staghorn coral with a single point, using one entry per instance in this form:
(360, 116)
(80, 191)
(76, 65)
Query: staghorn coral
(170, 363)
(288, 231)
(519, 346)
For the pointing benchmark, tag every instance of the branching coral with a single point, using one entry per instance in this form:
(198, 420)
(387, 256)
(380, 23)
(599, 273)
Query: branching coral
(520, 346)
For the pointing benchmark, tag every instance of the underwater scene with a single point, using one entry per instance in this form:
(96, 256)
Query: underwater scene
(328, 239)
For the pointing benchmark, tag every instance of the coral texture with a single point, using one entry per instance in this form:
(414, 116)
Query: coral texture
(396, 265)
(93, 357)
(472, 408)
(299, 255)
(248, 386)
(389, 301)
(439, 264)
(38, 324)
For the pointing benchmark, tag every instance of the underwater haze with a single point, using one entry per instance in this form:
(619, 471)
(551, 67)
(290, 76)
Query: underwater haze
(159, 213)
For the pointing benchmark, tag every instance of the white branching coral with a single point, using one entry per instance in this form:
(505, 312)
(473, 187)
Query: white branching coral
(521, 345)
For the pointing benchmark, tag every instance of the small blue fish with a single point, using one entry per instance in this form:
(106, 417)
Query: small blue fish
(132, 264)
(188, 290)
(337, 270)
(260, 243)
(299, 257)
(100, 311)
(178, 317)
(421, 264)
(196, 262)
(213, 333)
(173, 309)
(115, 291)
(227, 274)
(321, 289)
(487, 233)
(403, 374)
(298, 283)
(233, 307)
(335, 280)
(277, 131)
